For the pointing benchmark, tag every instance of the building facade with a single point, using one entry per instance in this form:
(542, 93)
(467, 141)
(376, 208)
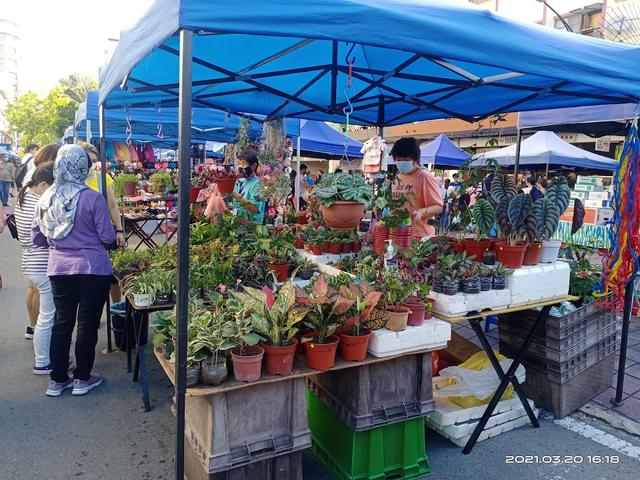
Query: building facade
(9, 73)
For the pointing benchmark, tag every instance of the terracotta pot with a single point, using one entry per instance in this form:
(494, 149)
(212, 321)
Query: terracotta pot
(397, 318)
(322, 356)
(316, 250)
(326, 247)
(495, 242)
(335, 248)
(511, 256)
(282, 271)
(380, 236)
(416, 317)
(279, 360)
(354, 348)
(356, 246)
(532, 255)
(193, 194)
(428, 315)
(302, 218)
(476, 247)
(549, 251)
(225, 185)
(346, 248)
(343, 214)
(248, 366)
(456, 245)
(129, 189)
(299, 243)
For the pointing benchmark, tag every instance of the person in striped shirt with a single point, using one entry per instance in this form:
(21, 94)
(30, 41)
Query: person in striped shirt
(34, 263)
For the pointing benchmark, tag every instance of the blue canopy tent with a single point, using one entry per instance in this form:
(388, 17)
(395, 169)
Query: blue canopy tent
(546, 148)
(378, 62)
(319, 139)
(442, 152)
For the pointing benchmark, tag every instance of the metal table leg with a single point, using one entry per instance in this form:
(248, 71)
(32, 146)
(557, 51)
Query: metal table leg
(140, 369)
(128, 318)
(507, 378)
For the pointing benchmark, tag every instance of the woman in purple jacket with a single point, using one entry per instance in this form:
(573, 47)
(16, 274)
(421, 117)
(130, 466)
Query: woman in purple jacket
(74, 221)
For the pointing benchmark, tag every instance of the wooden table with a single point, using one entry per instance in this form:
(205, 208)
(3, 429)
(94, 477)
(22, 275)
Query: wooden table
(474, 319)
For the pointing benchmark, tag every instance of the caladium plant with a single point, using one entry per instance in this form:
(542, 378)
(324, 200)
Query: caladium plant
(366, 299)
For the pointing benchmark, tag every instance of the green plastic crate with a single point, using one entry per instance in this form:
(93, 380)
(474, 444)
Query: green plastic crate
(395, 451)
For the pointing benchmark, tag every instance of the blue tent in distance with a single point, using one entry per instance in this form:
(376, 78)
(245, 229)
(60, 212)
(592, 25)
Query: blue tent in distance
(319, 139)
(442, 152)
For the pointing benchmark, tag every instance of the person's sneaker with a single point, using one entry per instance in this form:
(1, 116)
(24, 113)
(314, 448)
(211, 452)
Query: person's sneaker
(81, 387)
(29, 333)
(46, 370)
(56, 388)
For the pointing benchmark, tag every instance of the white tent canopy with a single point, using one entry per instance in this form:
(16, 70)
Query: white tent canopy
(544, 148)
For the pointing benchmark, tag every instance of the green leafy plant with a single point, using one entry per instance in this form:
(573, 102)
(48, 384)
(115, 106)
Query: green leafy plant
(121, 180)
(164, 281)
(519, 209)
(583, 279)
(129, 260)
(483, 217)
(342, 186)
(161, 182)
(366, 299)
(503, 186)
(143, 283)
(395, 287)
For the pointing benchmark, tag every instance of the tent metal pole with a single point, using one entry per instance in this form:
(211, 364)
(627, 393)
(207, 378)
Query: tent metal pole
(624, 341)
(184, 168)
(517, 162)
(88, 133)
(103, 188)
(297, 181)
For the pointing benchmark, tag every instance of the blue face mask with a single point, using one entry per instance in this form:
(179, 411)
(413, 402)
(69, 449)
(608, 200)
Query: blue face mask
(405, 166)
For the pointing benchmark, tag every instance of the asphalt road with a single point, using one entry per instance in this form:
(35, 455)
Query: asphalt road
(107, 435)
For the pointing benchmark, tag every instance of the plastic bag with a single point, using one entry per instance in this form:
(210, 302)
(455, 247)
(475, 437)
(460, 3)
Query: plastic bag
(215, 205)
(474, 382)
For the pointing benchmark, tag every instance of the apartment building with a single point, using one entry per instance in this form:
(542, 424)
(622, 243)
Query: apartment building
(9, 76)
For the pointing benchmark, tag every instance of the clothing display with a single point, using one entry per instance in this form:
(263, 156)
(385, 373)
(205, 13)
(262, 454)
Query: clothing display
(374, 152)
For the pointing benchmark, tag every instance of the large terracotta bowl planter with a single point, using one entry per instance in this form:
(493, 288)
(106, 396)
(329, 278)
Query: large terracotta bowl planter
(193, 194)
(129, 188)
(343, 214)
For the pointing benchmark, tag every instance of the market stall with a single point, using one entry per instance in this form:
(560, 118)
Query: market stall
(441, 152)
(470, 69)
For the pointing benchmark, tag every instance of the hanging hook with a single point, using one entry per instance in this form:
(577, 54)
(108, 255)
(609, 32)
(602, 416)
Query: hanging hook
(347, 111)
(128, 130)
(350, 62)
(160, 133)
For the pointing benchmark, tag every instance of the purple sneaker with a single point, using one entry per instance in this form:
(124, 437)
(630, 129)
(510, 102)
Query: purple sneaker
(81, 387)
(56, 388)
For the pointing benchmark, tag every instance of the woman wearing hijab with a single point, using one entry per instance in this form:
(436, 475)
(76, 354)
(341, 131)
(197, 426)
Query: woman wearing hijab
(74, 221)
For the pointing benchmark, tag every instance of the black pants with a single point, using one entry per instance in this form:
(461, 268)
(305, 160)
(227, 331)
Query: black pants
(80, 297)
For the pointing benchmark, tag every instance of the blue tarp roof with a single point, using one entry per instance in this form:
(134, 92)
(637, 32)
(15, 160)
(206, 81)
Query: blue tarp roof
(595, 120)
(412, 60)
(547, 148)
(320, 138)
(442, 152)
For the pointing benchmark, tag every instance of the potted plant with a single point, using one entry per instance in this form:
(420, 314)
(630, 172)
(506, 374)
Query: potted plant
(335, 246)
(125, 184)
(483, 217)
(354, 336)
(164, 326)
(346, 245)
(447, 280)
(397, 219)
(214, 276)
(275, 316)
(306, 269)
(325, 305)
(547, 212)
(486, 278)
(342, 198)
(356, 243)
(519, 210)
(500, 277)
(141, 288)
(396, 289)
(279, 252)
(165, 284)
(246, 355)
(160, 182)
(209, 338)
(470, 279)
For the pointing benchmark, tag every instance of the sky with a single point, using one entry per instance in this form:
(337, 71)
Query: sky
(61, 37)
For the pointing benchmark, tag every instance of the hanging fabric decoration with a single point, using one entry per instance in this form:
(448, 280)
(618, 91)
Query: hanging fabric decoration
(622, 263)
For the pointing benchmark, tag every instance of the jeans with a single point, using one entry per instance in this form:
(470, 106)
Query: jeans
(46, 315)
(5, 188)
(78, 298)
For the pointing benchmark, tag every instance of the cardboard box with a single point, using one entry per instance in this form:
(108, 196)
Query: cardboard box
(588, 179)
(593, 195)
(594, 203)
(581, 195)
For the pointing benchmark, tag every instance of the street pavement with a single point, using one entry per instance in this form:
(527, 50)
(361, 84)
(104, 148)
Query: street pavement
(107, 435)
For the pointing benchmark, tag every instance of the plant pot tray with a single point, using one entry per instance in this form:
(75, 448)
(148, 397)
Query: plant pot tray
(538, 283)
(432, 334)
(462, 303)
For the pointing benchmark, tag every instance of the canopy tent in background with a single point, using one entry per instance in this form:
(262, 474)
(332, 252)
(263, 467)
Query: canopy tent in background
(318, 138)
(596, 120)
(442, 152)
(546, 148)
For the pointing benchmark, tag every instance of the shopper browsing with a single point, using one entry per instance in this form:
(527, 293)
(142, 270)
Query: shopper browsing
(34, 264)
(6, 179)
(247, 201)
(74, 221)
(425, 200)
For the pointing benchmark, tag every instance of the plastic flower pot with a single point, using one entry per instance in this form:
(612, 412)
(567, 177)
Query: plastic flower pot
(456, 245)
(193, 375)
(305, 274)
(299, 243)
(471, 285)
(279, 360)
(335, 248)
(302, 218)
(532, 255)
(428, 311)
(343, 214)
(549, 251)
(499, 283)
(489, 257)
(494, 243)
(129, 188)
(346, 248)
(247, 362)
(417, 308)
(316, 250)
(486, 283)
(353, 348)
(326, 247)
(356, 246)
(476, 247)
(511, 256)
(397, 318)
(163, 299)
(193, 194)
(282, 271)
(143, 299)
(450, 286)
(225, 185)
(322, 356)
(214, 373)
(437, 284)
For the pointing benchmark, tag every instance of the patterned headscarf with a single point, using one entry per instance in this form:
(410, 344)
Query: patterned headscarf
(56, 209)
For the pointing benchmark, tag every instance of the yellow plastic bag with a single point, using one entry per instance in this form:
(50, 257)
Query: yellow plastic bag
(474, 382)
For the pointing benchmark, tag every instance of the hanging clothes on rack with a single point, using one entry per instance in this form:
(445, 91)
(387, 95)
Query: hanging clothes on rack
(375, 154)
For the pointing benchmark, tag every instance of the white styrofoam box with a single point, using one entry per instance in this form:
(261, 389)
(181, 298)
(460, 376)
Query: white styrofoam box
(586, 187)
(580, 195)
(598, 195)
(538, 283)
(322, 260)
(594, 203)
(461, 303)
(592, 179)
(603, 215)
(432, 334)
(495, 430)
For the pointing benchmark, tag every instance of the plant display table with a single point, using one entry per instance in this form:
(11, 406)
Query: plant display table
(474, 319)
(134, 225)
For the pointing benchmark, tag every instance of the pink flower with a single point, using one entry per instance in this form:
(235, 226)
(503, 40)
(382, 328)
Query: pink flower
(222, 287)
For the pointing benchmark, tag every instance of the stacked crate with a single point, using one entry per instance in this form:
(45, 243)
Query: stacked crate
(571, 358)
(368, 422)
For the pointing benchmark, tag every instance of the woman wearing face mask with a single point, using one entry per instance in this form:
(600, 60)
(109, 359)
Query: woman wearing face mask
(425, 200)
(247, 201)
